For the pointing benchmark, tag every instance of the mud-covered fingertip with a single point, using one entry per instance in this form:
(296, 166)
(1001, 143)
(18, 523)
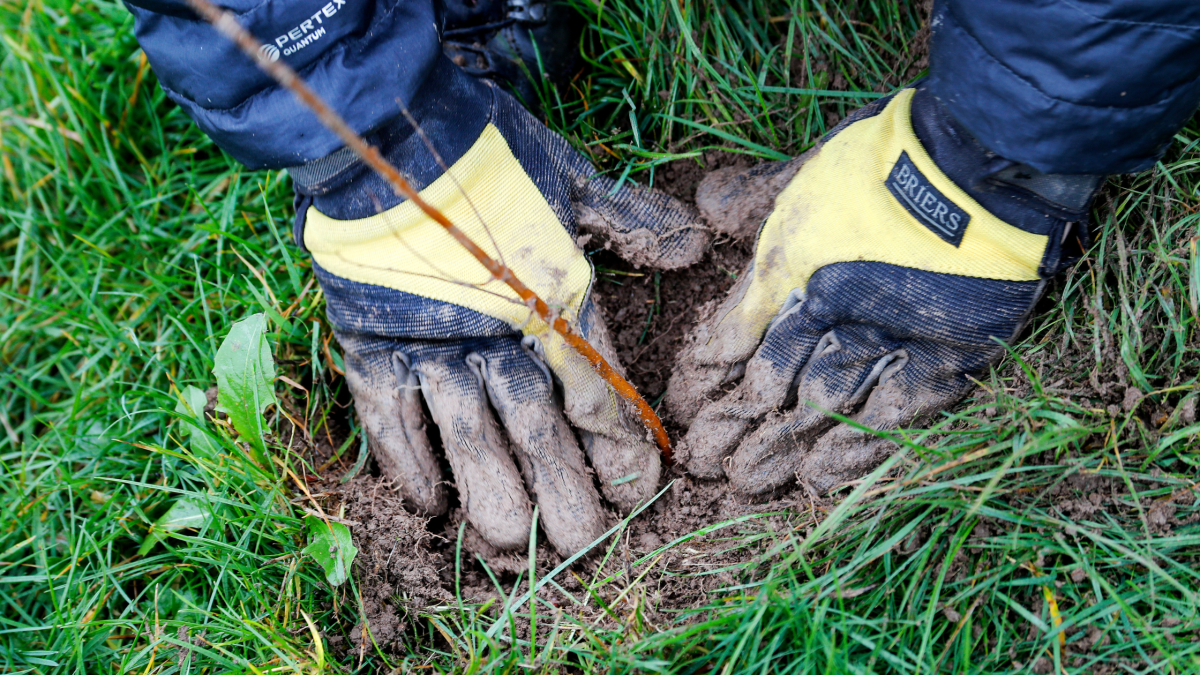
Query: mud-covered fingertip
(644, 226)
(705, 459)
(430, 500)
(690, 387)
(734, 201)
(629, 470)
(843, 454)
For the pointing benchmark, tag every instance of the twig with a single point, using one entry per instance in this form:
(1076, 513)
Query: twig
(228, 26)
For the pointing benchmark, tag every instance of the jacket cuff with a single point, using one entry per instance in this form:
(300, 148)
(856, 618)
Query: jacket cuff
(1036, 84)
(360, 56)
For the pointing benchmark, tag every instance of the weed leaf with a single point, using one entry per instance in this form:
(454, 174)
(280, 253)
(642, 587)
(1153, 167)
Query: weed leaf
(332, 547)
(187, 513)
(192, 407)
(363, 453)
(245, 379)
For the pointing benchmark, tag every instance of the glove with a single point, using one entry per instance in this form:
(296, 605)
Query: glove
(421, 321)
(893, 259)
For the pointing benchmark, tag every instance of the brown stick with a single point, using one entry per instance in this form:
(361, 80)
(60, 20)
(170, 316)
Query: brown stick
(283, 74)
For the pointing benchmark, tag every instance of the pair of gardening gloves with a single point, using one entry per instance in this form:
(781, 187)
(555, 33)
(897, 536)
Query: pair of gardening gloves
(893, 261)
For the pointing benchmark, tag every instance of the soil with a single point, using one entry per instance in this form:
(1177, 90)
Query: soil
(395, 560)
(649, 314)
(406, 564)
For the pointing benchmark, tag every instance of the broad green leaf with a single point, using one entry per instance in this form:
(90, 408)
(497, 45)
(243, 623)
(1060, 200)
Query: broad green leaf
(332, 547)
(192, 407)
(246, 379)
(187, 513)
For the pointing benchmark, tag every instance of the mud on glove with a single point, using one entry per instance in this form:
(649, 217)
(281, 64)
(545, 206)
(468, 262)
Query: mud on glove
(419, 318)
(892, 258)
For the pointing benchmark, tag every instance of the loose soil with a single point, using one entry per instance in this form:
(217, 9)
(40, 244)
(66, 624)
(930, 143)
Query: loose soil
(649, 313)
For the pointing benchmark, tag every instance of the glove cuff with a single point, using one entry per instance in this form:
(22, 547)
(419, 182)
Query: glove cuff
(1053, 205)
(451, 106)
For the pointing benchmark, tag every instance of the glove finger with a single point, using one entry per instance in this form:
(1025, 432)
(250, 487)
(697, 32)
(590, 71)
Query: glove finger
(551, 461)
(707, 360)
(387, 400)
(844, 367)
(624, 456)
(735, 201)
(769, 376)
(934, 378)
(489, 486)
(642, 225)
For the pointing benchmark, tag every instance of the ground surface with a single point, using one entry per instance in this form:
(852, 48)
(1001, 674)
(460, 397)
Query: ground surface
(1047, 524)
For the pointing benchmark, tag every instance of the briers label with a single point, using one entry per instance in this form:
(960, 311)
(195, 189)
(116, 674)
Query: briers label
(918, 196)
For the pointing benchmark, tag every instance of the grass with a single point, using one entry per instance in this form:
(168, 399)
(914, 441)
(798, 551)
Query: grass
(129, 245)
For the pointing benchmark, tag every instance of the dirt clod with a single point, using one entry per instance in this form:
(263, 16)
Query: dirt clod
(394, 562)
(1133, 396)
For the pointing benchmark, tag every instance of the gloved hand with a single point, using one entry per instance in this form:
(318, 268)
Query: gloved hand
(419, 319)
(892, 258)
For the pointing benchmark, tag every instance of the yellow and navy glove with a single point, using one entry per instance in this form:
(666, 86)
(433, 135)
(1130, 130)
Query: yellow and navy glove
(892, 258)
(419, 318)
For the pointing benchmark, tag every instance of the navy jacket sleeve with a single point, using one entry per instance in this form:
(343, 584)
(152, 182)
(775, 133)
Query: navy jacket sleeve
(1069, 86)
(359, 55)
(1066, 86)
